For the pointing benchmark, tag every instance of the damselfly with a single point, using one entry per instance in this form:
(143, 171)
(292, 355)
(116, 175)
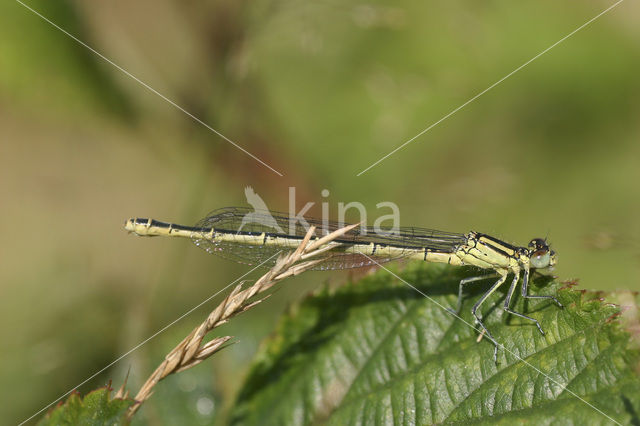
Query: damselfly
(248, 236)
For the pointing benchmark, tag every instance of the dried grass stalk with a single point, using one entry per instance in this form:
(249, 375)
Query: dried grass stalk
(191, 351)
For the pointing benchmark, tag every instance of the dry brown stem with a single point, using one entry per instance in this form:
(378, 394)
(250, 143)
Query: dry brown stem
(191, 351)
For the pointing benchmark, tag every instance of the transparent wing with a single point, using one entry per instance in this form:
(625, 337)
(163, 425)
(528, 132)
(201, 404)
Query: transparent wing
(267, 255)
(246, 221)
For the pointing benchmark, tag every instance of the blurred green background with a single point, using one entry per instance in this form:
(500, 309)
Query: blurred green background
(319, 91)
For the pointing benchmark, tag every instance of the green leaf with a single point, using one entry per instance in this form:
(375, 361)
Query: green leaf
(379, 352)
(96, 409)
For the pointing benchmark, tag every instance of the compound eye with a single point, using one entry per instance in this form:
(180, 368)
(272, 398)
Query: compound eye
(538, 244)
(540, 259)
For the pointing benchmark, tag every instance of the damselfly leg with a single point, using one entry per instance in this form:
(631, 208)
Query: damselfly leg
(507, 301)
(478, 318)
(463, 282)
(525, 291)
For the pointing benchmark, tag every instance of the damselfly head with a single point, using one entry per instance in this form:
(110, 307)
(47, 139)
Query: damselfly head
(541, 255)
